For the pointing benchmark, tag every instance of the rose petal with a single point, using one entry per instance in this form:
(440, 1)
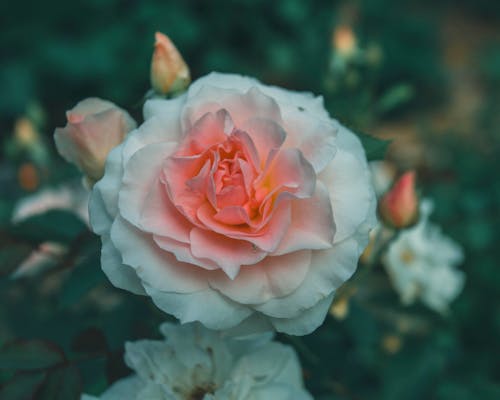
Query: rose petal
(206, 306)
(312, 226)
(348, 182)
(160, 217)
(307, 322)
(182, 252)
(120, 275)
(328, 270)
(273, 277)
(152, 264)
(228, 253)
(141, 174)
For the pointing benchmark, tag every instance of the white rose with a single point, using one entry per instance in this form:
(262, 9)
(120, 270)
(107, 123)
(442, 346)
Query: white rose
(236, 203)
(421, 264)
(196, 363)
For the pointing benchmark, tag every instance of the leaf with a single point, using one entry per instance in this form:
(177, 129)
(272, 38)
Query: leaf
(30, 354)
(91, 340)
(12, 256)
(375, 148)
(394, 97)
(62, 383)
(22, 386)
(84, 277)
(55, 225)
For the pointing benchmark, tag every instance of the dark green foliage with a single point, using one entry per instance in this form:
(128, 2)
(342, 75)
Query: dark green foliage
(62, 330)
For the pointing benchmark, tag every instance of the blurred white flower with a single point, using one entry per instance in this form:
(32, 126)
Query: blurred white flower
(421, 264)
(71, 197)
(196, 363)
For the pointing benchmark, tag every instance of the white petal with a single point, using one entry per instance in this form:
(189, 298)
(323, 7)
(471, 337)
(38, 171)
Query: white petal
(122, 276)
(307, 321)
(206, 306)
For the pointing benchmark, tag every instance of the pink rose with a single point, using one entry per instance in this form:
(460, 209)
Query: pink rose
(94, 127)
(236, 205)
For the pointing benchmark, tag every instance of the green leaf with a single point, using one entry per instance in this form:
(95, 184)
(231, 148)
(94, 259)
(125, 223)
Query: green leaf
(54, 225)
(28, 355)
(91, 340)
(84, 277)
(394, 97)
(22, 386)
(375, 148)
(12, 256)
(62, 383)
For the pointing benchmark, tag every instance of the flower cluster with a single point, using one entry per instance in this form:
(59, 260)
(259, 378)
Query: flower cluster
(193, 362)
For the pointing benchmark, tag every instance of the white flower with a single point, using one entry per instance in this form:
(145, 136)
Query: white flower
(236, 203)
(421, 264)
(70, 197)
(196, 363)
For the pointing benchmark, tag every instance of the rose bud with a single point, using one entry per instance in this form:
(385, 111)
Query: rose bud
(399, 206)
(94, 127)
(169, 72)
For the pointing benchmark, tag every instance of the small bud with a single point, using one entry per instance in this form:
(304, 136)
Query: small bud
(344, 41)
(94, 128)
(399, 207)
(169, 72)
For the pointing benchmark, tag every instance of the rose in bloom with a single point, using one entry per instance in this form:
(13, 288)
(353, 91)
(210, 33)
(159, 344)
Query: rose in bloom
(421, 264)
(94, 127)
(196, 363)
(235, 203)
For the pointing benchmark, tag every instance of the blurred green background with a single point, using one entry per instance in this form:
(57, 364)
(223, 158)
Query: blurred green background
(425, 74)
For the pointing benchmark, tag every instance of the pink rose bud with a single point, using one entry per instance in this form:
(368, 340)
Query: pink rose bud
(169, 72)
(93, 129)
(399, 206)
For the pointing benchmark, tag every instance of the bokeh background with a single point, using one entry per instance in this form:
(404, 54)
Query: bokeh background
(425, 74)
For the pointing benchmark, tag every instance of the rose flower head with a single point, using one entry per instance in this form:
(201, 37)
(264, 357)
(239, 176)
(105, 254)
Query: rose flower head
(399, 206)
(236, 204)
(94, 127)
(193, 362)
(169, 72)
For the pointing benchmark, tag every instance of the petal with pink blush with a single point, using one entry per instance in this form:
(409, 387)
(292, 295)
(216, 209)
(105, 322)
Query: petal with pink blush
(273, 277)
(312, 226)
(290, 170)
(319, 147)
(228, 253)
(182, 252)
(160, 217)
(267, 237)
(328, 270)
(141, 173)
(210, 129)
(242, 107)
(266, 135)
(152, 264)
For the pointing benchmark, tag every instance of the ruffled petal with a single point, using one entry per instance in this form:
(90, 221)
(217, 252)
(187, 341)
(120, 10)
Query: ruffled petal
(153, 265)
(273, 277)
(312, 226)
(206, 306)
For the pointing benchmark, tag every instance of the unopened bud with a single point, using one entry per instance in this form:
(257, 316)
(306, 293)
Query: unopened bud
(93, 129)
(399, 207)
(169, 72)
